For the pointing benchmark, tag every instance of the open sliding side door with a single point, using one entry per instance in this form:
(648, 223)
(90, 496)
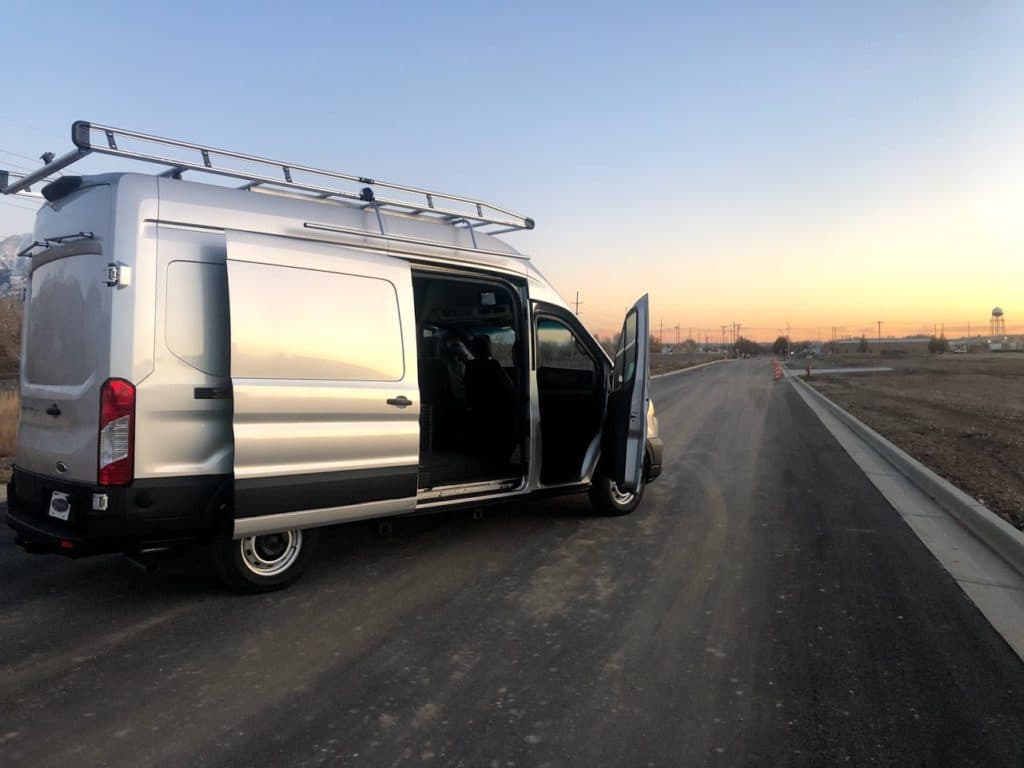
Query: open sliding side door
(626, 431)
(323, 371)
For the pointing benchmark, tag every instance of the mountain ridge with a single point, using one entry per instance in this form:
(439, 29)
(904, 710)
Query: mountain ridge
(12, 268)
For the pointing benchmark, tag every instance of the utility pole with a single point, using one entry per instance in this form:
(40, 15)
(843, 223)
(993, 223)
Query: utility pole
(677, 334)
(879, 336)
(578, 302)
(723, 327)
(661, 331)
(689, 333)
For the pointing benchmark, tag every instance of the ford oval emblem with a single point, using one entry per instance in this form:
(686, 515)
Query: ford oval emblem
(62, 467)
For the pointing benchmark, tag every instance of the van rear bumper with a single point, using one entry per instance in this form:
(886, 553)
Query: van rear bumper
(147, 513)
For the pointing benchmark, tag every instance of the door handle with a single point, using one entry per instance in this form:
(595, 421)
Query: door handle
(53, 410)
(401, 401)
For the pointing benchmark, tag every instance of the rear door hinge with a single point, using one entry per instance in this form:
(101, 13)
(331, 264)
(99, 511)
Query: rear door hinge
(119, 275)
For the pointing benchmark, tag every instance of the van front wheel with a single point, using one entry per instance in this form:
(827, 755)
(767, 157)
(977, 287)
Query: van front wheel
(263, 563)
(609, 499)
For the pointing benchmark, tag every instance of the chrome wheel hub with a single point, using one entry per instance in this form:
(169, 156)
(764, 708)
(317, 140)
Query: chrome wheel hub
(271, 554)
(620, 496)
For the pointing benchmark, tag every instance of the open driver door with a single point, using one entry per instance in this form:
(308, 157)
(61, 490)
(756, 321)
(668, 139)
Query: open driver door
(626, 427)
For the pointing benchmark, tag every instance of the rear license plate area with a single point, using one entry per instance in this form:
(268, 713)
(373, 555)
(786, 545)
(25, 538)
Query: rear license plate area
(60, 505)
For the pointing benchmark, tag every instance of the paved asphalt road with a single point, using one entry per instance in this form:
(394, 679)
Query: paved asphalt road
(764, 606)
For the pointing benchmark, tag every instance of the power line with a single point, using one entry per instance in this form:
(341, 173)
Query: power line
(16, 205)
(18, 167)
(18, 154)
(21, 167)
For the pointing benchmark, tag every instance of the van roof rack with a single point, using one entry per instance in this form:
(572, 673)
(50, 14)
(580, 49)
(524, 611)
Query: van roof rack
(10, 178)
(261, 174)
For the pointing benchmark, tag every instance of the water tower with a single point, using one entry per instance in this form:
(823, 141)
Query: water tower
(997, 325)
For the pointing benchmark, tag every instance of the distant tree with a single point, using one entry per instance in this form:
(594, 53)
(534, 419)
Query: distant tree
(937, 345)
(610, 343)
(779, 346)
(10, 336)
(747, 347)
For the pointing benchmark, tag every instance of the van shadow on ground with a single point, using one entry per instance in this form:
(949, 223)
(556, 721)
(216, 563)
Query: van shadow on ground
(342, 548)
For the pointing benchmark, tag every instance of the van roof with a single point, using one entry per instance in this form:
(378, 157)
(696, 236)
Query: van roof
(172, 202)
(296, 201)
(178, 157)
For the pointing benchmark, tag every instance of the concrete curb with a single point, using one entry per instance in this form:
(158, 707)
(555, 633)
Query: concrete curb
(1001, 537)
(691, 368)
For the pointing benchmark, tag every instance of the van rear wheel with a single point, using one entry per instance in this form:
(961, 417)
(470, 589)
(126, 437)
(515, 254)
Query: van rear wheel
(609, 499)
(263, 563)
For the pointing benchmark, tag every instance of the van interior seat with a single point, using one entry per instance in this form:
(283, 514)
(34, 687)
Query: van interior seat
(480, 347)
(492, 399)
(441, 420)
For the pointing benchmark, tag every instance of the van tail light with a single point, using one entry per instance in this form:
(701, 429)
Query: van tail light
(117, 433)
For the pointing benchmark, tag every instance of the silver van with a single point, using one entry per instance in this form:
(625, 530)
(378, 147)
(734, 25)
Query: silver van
(238, 364)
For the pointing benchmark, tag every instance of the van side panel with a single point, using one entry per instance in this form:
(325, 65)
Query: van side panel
(322, 338)
(183, 418)
(135, 245)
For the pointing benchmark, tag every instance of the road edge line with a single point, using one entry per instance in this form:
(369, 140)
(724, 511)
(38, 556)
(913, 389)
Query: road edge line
(691, 368)
(997, 534)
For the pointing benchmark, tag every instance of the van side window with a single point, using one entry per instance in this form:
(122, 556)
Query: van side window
(293, 323)
(196, 316)
(626, 352)
(558, 347)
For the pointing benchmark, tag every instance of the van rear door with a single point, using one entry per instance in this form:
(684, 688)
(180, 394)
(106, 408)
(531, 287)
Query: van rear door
(323, 370)
(66, 356)
(627, 428)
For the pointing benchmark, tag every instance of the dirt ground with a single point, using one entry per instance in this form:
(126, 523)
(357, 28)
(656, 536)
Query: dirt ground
(962, 415)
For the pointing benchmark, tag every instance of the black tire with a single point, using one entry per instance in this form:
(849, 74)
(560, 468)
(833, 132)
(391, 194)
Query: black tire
(609, 500)
(282, 558)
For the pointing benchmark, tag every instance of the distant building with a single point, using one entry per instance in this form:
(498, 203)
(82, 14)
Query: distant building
(905, 346)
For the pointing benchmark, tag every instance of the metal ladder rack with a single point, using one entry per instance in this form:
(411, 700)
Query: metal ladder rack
(273, 176)
(9, 178)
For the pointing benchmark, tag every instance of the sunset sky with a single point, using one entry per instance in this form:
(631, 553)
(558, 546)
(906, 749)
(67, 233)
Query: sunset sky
(817, 164)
